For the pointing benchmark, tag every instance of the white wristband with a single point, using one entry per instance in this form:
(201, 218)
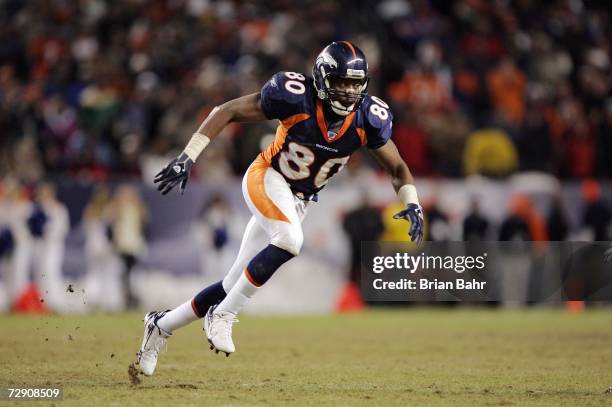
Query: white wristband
(196, 145)
(408, 194)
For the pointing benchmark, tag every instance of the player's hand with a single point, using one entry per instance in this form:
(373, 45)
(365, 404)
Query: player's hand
(177, 171)
(414, 214)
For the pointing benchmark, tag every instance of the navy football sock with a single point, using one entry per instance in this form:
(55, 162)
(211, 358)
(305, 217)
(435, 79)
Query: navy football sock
(265, 263)
(211, 295)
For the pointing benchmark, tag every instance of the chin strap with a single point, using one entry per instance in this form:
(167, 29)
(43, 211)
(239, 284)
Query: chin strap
(339, 108)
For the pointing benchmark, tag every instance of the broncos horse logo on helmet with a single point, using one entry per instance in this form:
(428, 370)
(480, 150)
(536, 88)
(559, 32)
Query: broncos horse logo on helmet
(340, 60)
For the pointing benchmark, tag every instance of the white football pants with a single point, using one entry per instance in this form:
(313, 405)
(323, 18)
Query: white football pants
(277, 217)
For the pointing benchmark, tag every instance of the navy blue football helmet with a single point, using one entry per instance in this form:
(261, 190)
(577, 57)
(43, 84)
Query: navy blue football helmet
(340, 60)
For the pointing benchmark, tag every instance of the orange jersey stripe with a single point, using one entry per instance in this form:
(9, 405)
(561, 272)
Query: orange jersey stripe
(250, 278)
(323, 126)
(362, 136)
(281, 135)
(257, 191)
(194, 308)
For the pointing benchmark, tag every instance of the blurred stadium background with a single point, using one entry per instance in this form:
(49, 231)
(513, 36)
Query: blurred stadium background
(503, 113)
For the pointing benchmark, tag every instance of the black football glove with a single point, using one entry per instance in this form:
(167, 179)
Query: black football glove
(414, 214)
(177, 171)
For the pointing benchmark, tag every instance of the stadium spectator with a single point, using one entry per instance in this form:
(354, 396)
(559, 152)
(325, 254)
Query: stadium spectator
(7, 244)
(88, 88)
(362, 224)
(447, 136)
(427, 87)
(518, 230)
(216, 232)
(16, 209)
(480, 43)
(533, 143)
(604, 143)
(49, 226)
(103, 280)
(412, 142)
(506, 83)
(475, 226)
(549, 64)
(468, 89)
(516, 226)
(437, 223)
(557, 223)
(579, 148)
(489, 152)
(596, 215)
(129, 217)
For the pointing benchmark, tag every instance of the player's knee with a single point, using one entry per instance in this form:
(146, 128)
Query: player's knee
(291, 241)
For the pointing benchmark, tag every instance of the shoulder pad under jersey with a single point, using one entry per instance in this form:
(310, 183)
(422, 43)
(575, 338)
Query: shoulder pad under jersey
(285, 94)
(378, 121)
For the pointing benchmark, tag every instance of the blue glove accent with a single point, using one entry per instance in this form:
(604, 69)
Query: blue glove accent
(177, 171)
(414, 214)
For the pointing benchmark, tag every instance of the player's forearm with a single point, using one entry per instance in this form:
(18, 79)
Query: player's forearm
(403, 182)
(400, 176)
(216, 121)
(210, 128)
(242, 109)
(220, 117)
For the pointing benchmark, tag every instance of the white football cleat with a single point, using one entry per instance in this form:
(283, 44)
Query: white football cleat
(152, 343)
(218, 328)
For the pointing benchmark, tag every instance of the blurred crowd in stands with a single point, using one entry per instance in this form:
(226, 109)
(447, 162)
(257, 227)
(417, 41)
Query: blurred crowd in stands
(94, 89)
(34, 228)
(102, 92)
(47, 240)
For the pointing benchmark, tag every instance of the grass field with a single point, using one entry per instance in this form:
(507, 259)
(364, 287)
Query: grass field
(392, 357)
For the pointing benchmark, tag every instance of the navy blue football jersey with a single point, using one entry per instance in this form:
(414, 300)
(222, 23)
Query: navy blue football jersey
(305, 151)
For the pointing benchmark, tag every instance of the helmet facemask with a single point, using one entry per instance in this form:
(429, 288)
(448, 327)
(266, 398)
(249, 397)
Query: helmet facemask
(343, 97)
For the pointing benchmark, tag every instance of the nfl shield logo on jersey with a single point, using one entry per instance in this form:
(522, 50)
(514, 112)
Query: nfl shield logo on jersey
(331, 135)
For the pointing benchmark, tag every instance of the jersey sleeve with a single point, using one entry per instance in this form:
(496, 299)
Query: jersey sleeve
(378, 122)
(283, 95)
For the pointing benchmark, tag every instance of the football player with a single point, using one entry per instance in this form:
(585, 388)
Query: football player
(323, 119)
